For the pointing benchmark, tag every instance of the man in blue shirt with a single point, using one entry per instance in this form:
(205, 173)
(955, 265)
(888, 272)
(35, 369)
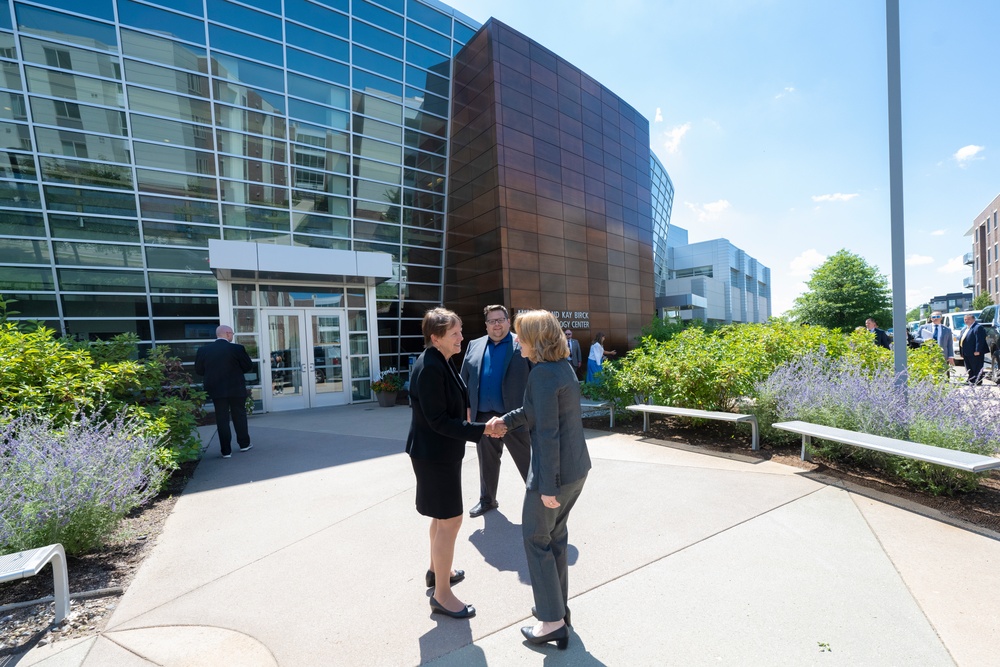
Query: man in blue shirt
(496, 374)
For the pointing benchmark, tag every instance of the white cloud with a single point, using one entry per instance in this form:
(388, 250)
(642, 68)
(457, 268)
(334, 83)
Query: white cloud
(938, 232)
(674, 136)
(838, 196)
(659, 116)
(711, 211)
(787, 91)
(803, 265)
(918, 260)
(966, 154)
(954, 265)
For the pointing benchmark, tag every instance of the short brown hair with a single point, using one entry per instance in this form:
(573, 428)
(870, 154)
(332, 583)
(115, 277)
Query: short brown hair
(436, 322)
(539, 333)
(489, 309)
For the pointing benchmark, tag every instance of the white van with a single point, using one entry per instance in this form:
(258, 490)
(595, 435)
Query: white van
(956, 322)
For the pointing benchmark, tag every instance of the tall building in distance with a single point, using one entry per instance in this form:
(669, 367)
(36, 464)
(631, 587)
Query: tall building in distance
(317, 173)
(985, 256)
(713, 281)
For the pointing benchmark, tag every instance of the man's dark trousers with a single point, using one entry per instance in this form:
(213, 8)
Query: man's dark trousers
(236, 408)
(490, 450)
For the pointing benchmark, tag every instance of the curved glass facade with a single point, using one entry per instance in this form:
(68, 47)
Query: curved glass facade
(138, 132)
(662, 200)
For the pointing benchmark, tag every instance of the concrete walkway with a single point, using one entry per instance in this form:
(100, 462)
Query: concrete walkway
(307, 551)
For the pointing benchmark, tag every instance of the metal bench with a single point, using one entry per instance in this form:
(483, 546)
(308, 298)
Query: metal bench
(646, 410)
(26, 564)
(586, 404)
(952, 458)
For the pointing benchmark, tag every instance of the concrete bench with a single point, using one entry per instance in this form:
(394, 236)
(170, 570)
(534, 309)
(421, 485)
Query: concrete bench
(952, 458)
(26, 564)
(587, 404)
(646, 410)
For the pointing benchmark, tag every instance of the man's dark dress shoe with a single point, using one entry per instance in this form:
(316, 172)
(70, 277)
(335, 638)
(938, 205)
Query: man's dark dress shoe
(566, 618)
(429, 578)
(482, 508)
(560, 636)
(437, 608)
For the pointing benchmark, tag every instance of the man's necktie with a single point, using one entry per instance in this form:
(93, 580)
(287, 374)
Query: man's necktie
(937, 333)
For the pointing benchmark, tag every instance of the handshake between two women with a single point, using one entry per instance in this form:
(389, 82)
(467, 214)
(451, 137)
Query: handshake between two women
(496, 428)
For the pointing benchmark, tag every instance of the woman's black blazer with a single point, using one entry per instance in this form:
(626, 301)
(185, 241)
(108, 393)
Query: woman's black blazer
(439, 400)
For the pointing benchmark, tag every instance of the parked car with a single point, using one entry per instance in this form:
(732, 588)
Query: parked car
(990, 320)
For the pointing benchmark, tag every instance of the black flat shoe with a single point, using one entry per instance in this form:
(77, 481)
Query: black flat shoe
(429, 578)
(560, 636)
(438, 608)
(566, 618)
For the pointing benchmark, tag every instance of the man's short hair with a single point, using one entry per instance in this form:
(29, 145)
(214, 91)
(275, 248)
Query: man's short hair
(489, 309)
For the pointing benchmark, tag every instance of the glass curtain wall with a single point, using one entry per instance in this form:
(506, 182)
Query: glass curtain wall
(137, 130)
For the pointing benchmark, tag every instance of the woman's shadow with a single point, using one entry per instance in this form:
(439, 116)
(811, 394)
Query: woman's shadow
(502, 546)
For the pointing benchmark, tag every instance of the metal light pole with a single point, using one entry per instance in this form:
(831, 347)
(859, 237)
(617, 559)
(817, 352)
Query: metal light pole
(896, 190)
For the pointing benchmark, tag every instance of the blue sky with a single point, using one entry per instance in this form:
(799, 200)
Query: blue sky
(771, 117)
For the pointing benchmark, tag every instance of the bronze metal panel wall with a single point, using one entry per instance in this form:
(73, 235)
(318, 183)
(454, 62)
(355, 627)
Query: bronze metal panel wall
(549, 200)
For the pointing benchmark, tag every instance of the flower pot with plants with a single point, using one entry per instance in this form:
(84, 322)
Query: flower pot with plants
(386, 387)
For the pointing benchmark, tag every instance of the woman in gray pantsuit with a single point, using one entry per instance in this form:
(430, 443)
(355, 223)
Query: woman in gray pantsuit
(559, 465)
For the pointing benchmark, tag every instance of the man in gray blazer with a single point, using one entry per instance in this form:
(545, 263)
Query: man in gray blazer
(496, 374)
(941, 334)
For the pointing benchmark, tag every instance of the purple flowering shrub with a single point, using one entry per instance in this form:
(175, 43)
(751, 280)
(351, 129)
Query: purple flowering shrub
(844, 393)
(73, 483)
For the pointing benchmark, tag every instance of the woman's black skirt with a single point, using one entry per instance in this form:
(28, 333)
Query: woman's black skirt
(439, 488)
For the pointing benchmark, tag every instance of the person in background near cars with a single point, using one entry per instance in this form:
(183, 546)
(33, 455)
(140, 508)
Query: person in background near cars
(974, 348)
(881, 337)
(941, 334)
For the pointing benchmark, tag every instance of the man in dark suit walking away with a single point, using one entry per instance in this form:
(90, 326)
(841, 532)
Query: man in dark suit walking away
(496, 375)
(223, 364)
(974, 348)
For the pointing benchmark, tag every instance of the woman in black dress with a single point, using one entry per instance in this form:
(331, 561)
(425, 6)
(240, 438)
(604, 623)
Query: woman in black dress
(436, 445)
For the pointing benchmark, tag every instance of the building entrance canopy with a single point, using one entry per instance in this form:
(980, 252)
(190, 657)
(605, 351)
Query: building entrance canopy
(240, 260)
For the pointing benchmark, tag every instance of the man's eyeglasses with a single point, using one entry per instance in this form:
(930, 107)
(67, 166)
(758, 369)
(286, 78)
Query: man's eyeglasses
(935, 317)
(500, 320)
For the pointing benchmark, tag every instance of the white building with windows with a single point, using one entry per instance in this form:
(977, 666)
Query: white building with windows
(713, 281)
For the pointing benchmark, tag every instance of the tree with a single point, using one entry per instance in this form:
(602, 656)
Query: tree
(913, 314)
(843, 292)
(984, 299)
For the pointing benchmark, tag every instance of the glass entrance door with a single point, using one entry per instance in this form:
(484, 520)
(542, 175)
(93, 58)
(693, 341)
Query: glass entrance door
(304, 359)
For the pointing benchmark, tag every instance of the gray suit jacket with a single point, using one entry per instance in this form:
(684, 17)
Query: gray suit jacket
(552, 414)
(574, 352)
(926, 332)
(515, 375)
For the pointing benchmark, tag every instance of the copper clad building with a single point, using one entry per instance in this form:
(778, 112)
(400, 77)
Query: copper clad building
(549, 192)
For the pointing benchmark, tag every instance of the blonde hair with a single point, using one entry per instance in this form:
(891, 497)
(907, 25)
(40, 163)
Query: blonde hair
(539, 333)
(436, 322)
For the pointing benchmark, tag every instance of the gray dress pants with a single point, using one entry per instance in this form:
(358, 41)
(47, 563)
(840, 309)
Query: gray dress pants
(489, 450)
(545, 540)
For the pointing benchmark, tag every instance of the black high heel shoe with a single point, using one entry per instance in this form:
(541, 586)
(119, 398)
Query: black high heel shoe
(560, 636)
(468, 612)
(430, 580)
(566, 618)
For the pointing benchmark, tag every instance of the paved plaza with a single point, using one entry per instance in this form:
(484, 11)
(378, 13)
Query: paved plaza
(307, 551)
